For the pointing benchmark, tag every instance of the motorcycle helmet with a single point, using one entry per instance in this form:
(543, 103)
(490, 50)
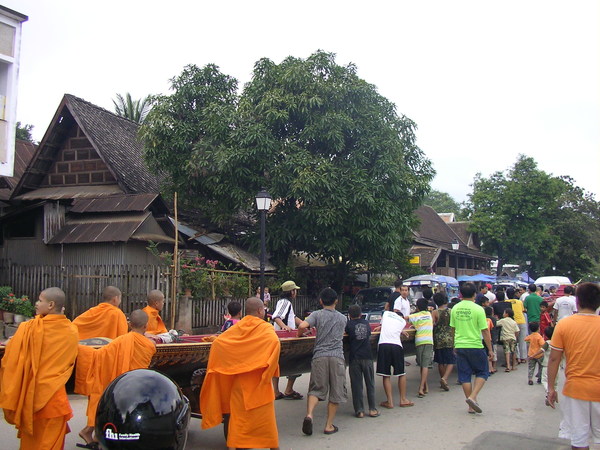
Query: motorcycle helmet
(142, 409)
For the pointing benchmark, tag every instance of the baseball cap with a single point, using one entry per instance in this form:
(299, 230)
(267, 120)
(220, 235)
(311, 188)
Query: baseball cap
(289, 286)
(489, 286)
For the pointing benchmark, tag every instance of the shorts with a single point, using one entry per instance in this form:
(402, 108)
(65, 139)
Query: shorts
(471, 361)
(388, 356)
(581, 419)
(424, 354)
(509, 345)
(444, 356)
(328, 375)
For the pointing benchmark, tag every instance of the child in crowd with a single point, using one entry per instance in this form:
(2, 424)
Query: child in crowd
(234, 310)
(545, 318)
(361, 362)
(423, 323)
(536, 341)
(545, 353)
(443, 340)
(494, 332)
(509, 336)
(391, 354)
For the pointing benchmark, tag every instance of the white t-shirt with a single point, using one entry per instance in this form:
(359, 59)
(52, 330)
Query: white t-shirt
(565, 306)
(281, 311)
(391, 328)
(403, 305)
(491, 296)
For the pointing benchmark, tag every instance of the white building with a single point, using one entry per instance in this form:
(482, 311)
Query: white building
(10, 52)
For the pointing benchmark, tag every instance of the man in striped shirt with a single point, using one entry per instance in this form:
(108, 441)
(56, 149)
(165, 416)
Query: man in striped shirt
(423, 323)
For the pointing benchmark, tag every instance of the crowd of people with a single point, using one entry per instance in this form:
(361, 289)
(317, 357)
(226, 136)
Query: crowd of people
(553, 337)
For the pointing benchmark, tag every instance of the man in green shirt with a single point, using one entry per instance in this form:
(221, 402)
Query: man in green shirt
(470, 325)
(532, 304)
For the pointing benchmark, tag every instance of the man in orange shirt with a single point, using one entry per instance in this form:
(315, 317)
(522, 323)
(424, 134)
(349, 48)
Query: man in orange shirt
(157, 331)
(241, 364)
(104, 320)
(128, 352)
(577, 337)
(37, 363)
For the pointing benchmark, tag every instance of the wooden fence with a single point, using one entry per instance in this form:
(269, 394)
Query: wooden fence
(83, 284)
(209, 313)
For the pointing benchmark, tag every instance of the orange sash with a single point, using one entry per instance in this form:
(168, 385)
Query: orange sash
(155, 323)
(103, 320)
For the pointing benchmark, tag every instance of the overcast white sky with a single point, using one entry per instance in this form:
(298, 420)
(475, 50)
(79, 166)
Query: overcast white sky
(483, 80)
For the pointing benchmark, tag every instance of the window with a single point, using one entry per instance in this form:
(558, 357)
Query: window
(22, 226)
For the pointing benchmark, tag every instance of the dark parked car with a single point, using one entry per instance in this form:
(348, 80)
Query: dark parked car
(372, 302)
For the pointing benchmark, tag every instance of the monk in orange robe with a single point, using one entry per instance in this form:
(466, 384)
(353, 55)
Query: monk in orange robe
(104, 320)
(37, 363)
(241, 364)
(157, 331)
(128, 352)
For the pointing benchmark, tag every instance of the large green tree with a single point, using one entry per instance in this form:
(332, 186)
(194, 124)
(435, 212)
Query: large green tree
(527, 214)
(24, 132)
(341, 164)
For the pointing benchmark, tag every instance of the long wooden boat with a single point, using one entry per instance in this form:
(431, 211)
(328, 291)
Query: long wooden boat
(185, 362)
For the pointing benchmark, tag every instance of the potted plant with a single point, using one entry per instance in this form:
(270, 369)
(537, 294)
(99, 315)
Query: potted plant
(7, 304)
(24, 309)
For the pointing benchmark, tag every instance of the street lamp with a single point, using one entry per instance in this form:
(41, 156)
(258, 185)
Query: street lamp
(528, 264)
(455, 246)
(263, 204)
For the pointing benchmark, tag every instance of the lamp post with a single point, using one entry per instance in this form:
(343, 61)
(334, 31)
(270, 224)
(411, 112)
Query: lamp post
(455, 246)
(528, 264)
(263, 203)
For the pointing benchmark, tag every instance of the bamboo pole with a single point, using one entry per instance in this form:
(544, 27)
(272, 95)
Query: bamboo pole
(175, 268)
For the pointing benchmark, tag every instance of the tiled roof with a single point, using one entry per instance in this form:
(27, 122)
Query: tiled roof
(114, 139)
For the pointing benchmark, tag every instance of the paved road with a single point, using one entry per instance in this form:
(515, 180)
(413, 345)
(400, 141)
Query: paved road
(514, 417)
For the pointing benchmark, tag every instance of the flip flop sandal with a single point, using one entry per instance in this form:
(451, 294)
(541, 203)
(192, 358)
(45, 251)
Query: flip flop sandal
(90, 445)
(473, 404)
(359, 415)
(335, 430)
(377, 414)
(386, 405)
(307, 426)
(293, 396)
(279, 396)
(420, 395)
(406, 405)
(444, 385)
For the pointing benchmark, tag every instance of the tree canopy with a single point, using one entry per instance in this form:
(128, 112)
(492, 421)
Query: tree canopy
(527, 214)
(341, 165)
(442, 202)
(24, 132)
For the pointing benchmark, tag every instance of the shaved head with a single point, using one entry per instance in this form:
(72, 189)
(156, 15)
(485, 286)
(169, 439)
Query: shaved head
(255, 307)
(138, 319)
(56, 295)
(155, 296)
(110, 292)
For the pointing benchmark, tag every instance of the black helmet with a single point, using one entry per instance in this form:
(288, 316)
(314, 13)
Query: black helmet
(142, 409)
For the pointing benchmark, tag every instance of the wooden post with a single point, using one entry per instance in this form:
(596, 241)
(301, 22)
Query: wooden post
(175, 268)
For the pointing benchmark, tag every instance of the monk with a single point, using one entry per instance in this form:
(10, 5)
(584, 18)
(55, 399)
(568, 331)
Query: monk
(37, 363)
(128, 352)
(241, 364)
(157, 331)
(104, 320)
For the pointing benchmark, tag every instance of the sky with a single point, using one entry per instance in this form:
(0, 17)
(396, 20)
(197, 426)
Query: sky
(484, 80)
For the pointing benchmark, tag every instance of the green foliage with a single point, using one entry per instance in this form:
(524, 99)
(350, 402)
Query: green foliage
(341, 164)
(8, 302)
(24, 306)
(4, 291)
(24, 132)
(527, 214)
(442, 202)
(134, 110)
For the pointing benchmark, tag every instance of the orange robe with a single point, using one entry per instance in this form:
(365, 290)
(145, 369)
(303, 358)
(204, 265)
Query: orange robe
(128, 352)
(242, 362)
(37, 363)
(103, 320)
(155, 323)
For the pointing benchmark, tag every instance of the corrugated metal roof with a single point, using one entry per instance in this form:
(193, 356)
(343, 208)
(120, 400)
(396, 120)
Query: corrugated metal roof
(102, 229)
(240, 256)
(69, 192)
(113, 203)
